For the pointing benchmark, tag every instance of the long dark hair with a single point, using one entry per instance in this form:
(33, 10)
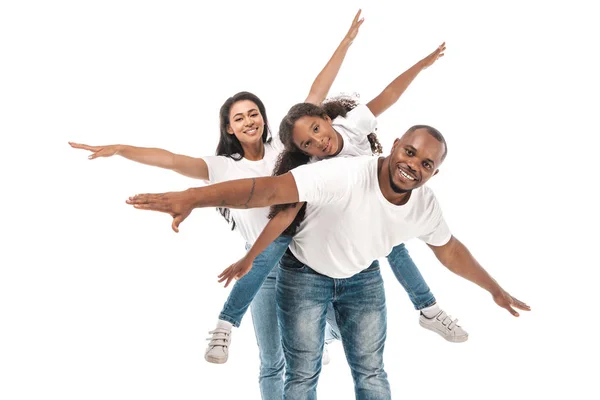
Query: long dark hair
(229, 145)
(293, 157)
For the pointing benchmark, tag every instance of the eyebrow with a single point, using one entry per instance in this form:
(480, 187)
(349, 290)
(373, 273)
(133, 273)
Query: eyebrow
(429, 160)
(249, 111)
(311, 127)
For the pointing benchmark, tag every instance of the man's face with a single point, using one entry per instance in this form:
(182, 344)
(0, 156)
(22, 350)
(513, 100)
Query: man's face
(415, 158)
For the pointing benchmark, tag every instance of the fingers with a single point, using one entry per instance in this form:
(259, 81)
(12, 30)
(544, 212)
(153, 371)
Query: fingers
(84, 146)
(146, 198)
(356, 17)
(520, 305)
(511, 310)
(94, 155)
(230, 278)
(224, 274)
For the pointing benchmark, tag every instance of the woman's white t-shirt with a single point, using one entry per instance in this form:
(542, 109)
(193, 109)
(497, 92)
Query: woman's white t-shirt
(251, 222)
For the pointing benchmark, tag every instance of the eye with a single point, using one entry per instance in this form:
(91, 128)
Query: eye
(237, 119)
(316, 129)
(254, 115)
(306, 144)
(426, 165)
(409, 152)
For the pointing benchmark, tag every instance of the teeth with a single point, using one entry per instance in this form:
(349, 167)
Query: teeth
(404, 174)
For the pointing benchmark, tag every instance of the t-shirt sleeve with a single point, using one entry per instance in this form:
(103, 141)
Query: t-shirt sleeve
(438, 232)
(217, 168)
(360, 120)
(322, 182)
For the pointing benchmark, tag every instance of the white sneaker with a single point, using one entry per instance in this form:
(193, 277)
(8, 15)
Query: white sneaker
(443, 325)
(217, 350)
(326, 358)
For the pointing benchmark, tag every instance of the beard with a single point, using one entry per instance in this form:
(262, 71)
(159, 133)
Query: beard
(396, 188)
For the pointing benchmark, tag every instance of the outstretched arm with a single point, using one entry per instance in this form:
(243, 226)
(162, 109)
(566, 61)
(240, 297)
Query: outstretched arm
(324, 80)
(184, 165)
(272, 231)
(394, 90)
(457, 258)
(241, 193)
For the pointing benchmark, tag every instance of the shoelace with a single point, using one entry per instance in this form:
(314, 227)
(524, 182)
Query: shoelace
(443, 317)
(220, 337)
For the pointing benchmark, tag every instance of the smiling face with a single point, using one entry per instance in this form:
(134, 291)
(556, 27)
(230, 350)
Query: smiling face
(415, 158)
(315, 136)
(246, 122)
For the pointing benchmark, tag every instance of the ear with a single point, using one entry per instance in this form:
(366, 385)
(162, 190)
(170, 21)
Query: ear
(396, 141)
(229, 130)
(435, 173)
(327, 118)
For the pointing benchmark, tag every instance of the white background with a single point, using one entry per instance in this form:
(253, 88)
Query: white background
(101, 301)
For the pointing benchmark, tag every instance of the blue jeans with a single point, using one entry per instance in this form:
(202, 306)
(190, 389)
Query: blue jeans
(303, 296)
(257, 290)
(410, 278)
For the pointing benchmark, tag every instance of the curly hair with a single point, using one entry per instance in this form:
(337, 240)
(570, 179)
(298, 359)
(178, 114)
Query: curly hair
(293, 157)
(229, 145)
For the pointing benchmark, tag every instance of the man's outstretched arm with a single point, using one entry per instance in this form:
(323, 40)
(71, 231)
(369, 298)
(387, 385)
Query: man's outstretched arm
(457, 258)
(241, 193)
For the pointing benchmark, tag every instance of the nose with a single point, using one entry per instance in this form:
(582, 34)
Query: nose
(411, 166)
(248, 121)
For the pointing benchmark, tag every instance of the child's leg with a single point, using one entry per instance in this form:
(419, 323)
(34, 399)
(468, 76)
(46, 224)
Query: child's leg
(247, 287)
(242, 294)
(431, 316)
(410, 278)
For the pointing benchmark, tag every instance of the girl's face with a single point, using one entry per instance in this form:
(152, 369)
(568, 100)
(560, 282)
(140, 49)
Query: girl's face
(246, 122)
(315, 136)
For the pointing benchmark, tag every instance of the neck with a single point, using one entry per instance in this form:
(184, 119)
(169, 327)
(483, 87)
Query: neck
(383, 177)
(254, 152)
(340, 143)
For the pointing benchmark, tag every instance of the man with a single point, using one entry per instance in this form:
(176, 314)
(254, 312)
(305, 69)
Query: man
(362, 208)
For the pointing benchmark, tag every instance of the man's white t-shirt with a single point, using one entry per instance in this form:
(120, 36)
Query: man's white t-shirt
(250, 222)
(350, 223)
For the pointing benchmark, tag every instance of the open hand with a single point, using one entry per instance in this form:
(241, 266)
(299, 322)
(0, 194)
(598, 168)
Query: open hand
(236, 270)
(356, 23)
(97, 151)
(433, 57)
(177, 204)
(505, 300)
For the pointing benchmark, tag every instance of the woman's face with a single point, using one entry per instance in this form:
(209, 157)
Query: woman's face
(315, 136)
(246, 122)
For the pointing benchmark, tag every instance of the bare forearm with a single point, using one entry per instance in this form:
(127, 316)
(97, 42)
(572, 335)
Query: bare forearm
(245, 193)
(274, 229)
(145, 155)
(460, 261)
(394, 90)
(184, 165)
(326, 77)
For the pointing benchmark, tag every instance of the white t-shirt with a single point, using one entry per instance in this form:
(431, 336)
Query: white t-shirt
(350, 223)
(250, 222)
(354, 128)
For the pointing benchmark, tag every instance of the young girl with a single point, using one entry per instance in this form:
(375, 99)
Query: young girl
(341, 128)
(245, 150)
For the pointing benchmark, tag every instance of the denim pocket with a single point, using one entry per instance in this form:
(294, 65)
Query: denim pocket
(290, 263)
(372, 268)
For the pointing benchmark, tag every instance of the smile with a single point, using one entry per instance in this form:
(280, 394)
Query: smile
(406, 176)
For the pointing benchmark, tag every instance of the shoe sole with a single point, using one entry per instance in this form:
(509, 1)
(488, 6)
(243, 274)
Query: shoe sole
(451, 339)
(215, 360)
